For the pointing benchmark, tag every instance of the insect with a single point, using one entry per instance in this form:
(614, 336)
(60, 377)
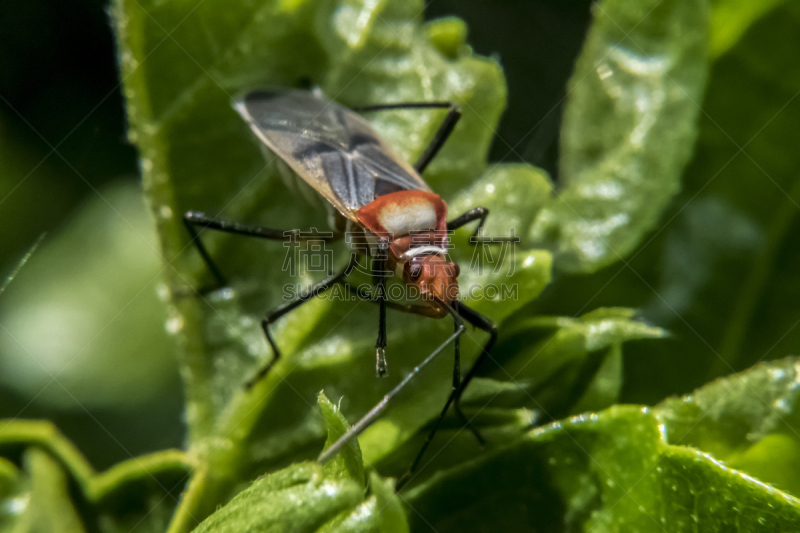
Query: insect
(385, 203)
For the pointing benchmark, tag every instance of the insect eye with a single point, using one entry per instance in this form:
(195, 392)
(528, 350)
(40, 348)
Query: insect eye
(414, 271)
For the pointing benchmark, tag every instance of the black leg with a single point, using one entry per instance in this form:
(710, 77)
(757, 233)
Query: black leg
(458, 385)
(444, 131)
(202, 220)
(193, 219)
(457, 362)
(275, 314)
(403, 105)
(406, 477)
(376, 411)
(212, 267)
(439, 138)
(379, 278)
(481, 322)
(476, 213)
(479, 213)
(478, 320)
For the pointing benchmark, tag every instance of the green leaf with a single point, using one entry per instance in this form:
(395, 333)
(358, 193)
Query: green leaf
(606, 385)
(744, 184)
(139, 494)
(299, 498)
(306, 497)
(380, 513)
(629, 127)
(545, 369)
(16, 434)
(720, 273)
(448, 35)
(749, 420)
(391, 513)
(8, 477)
(348, 462)
(14, 491)
(499, 190)
(568, 365)
(730, 19)
(48, 506)
(518, 271)
(303, 496)
(611, 471)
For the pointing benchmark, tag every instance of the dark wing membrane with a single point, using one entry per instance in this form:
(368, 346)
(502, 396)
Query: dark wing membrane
(331, 147)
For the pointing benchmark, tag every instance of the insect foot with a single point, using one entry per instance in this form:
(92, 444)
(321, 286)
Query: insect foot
(381, 368)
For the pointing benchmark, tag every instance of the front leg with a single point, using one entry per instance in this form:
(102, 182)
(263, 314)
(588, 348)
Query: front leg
(367, 420)
(455, 392)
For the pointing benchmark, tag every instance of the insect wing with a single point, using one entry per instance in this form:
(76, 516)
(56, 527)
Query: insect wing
(331, 147)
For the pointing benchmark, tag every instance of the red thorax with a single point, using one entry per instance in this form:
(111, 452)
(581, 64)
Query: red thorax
(415, 224)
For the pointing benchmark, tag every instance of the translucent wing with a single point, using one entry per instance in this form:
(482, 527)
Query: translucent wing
(331, 147)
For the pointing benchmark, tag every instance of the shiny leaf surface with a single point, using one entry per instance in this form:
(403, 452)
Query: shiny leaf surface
(629, 126)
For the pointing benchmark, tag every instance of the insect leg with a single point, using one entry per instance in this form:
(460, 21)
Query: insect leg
(376, 411)
(379, 276)
(406, 477)
(275, 314)
(478, 320)
(478, 213)
(384, 304)
(193, 219)
(212, 267)
(439, 138)
(403, 105)
(481, 322)
(457, 383)
(442, 134)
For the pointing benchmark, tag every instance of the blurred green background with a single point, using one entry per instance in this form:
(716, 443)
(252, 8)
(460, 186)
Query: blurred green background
(77, 311)
(84, 340)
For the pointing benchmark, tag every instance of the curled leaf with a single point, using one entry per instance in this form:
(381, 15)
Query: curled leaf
(629, 126)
